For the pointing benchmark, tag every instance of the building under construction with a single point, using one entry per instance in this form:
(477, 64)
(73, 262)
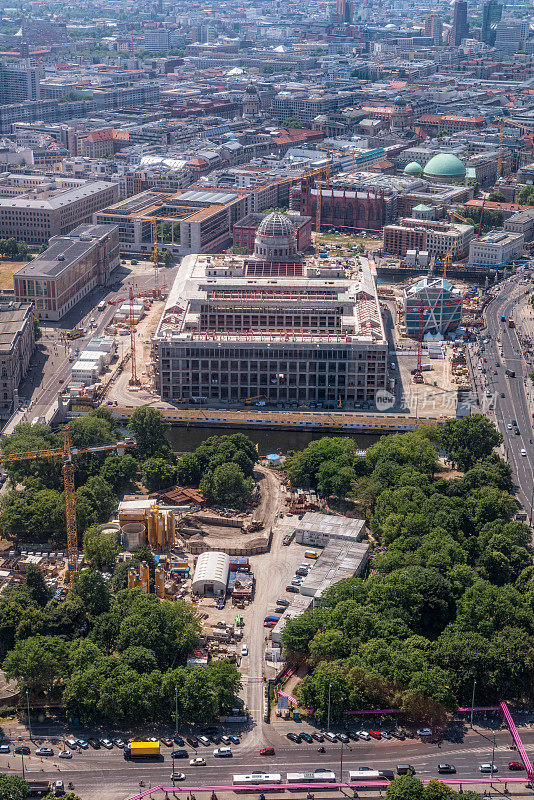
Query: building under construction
(273, 328)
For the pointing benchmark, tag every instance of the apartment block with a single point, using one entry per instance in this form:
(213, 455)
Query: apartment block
(68, 270)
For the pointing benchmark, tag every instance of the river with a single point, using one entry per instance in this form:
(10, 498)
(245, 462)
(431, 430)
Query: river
(185, 440)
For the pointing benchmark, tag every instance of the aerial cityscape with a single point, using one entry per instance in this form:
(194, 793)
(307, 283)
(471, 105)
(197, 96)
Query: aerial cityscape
(267, 399)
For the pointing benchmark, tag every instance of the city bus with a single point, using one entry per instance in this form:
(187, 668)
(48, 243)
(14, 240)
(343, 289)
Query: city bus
(319, 776)
(257, 778)
(362, 775)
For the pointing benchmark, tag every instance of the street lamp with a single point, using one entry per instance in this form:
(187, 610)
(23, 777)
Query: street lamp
(176, 710)
(29, 719)
(328, 723)
(473, 701)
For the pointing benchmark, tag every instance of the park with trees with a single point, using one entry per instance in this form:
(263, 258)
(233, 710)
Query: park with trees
(450, 597)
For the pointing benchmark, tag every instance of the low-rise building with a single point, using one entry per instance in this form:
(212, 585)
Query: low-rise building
(318, 529)
(68, 269)
(17, 343)
(437, 238)
(522, 222)
(497, 248)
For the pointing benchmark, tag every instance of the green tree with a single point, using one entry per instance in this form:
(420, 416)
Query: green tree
(100, 549)
(227, 486)
(497, 197)
(119, 471)
(526, 196)
(292, 122)
(37, 587)
(167, 257)
(38, 662)
(469, 439)
(157, 473)
(37, 332)
(149, 427)
(13, 788)
(406, 787)
(89, 586)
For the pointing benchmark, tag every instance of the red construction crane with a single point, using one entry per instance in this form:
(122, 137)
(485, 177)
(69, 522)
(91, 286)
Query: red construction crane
(65, 454)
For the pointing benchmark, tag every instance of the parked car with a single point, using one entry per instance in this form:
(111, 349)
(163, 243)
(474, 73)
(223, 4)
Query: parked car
(424, 732)
(375, 734)
(364, 735)
(95, 744)
(119, 743)
(82, 744)
(42, 751)
(343, 738)
(178, 740)
(225, 739)
(244, 650)
(5, 748)
(306, 737)
(294, 589)
(318, 737)
(204, 740)
(234, 739)
(107, 743)
(193, 741)
(294, 737)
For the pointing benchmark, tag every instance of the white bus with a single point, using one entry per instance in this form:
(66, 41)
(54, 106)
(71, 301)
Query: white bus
(318, 776)
(362, 775)
(257, 778)
(101, 306)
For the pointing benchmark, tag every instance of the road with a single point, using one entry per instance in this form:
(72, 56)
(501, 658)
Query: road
(504, 348)
(50, 368)
(91, 771)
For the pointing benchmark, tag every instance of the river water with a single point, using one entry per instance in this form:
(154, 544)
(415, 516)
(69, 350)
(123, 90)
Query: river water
(184, 440)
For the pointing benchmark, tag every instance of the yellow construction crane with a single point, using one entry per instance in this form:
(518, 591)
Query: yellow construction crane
(65, 454)
(456, 215)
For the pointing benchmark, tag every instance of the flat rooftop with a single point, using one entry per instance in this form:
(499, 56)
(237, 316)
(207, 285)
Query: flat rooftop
(65, 251)
(12, 318)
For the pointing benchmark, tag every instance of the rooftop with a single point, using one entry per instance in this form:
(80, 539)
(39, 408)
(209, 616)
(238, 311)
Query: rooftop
(64, 251)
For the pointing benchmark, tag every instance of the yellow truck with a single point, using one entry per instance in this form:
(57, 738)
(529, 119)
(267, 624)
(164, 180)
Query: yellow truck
(144, 750)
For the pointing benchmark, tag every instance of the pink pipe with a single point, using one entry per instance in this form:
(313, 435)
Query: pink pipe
(517, 740)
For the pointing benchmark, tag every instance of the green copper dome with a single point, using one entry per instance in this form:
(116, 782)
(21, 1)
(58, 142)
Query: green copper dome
(445, 165)
(413, 168)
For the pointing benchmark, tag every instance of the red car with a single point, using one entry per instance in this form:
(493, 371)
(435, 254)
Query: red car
(267, 751)
(375, 734)
(515, 766)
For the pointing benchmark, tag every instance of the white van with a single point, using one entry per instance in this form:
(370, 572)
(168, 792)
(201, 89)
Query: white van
(330, 736)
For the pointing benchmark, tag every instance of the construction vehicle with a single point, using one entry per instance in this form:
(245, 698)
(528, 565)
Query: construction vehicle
(260, 397)
(339, 402)
(65, 454)
(141, 750)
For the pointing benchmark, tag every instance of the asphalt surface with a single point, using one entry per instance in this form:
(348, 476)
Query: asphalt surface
(106, 775)
(513, 406)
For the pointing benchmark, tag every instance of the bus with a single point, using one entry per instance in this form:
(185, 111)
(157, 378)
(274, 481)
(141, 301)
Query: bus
(257, 778)
(101, 306)
(318, 776)
(75, 334)
(362, 775)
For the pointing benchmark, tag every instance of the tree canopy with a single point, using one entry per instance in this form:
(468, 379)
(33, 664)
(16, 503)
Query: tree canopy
(452, 588)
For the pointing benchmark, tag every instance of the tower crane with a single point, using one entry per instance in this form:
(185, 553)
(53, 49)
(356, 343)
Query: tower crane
(65, 456)
(427, 309)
